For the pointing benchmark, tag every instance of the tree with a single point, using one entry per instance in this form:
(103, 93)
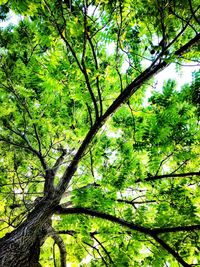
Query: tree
(87, 171)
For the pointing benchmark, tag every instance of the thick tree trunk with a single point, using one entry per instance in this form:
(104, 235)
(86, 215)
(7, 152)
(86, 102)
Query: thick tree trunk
(22, 246)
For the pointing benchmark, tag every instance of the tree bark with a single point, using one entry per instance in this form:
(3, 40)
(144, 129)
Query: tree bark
(22, 246)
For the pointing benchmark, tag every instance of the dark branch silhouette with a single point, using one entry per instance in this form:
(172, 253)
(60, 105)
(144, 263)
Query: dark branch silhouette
(151, 232)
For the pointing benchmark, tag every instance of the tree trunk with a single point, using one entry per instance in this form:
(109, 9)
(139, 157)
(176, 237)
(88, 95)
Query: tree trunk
(22, 246)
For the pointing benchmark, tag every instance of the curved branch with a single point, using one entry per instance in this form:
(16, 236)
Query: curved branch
(193, 12)
(111, 218)
(59, 161)
(104, 249)
(61, 245)
(84, 71)
(132, 226)
(187, 46)
(171, 251)
(132, 202)
(151, 232)
(23, 104)
(28, 147)
(177, 229)
(97, 250)
(126, 94)
(172, 175)
(97, 78)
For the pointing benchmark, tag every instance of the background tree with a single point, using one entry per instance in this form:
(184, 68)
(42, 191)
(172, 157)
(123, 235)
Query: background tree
(87, 171)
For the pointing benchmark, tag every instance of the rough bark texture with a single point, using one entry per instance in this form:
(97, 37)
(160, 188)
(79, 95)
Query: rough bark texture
(22, 246)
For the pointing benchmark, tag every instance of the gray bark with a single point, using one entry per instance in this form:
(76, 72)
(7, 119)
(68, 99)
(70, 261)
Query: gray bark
(22, 246)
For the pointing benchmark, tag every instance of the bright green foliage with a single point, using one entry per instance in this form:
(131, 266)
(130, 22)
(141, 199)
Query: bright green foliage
(57, 77)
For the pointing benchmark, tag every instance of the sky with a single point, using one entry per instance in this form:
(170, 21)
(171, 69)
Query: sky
(181, 77)
(12, 19)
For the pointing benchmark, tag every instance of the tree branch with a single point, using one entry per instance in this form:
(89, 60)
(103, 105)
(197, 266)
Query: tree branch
(127, 93)
(151, 232)
(59, 161)
(61, 245)
(177, 229)
(193, 12)
(171, 251)
(172, 175)
(81, 65)
(93, 247)
(97, 78)
(132, 202)
(104, 249)
(111, 218)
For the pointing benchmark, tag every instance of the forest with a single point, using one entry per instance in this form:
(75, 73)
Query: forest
(99, 162)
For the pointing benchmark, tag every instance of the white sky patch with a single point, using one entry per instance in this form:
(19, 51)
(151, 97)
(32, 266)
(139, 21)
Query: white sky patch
(97, 176)
(29, 173)
(125, 66)
(145, 251)
(193, 186)
(147, 96)
(112, 157)
(195, 261)
(87, 259)
(110, 48)
(37, 104)
(56, 217)
(114, 134)
(93, 11)
(18, 191)
(119, 194)
(182, 77)
(12, 19)
(80, 170)
(146, 63)
(130, 193)
(165, 169)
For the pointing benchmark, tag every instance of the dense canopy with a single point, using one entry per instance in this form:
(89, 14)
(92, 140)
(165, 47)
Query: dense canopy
(99, 166)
